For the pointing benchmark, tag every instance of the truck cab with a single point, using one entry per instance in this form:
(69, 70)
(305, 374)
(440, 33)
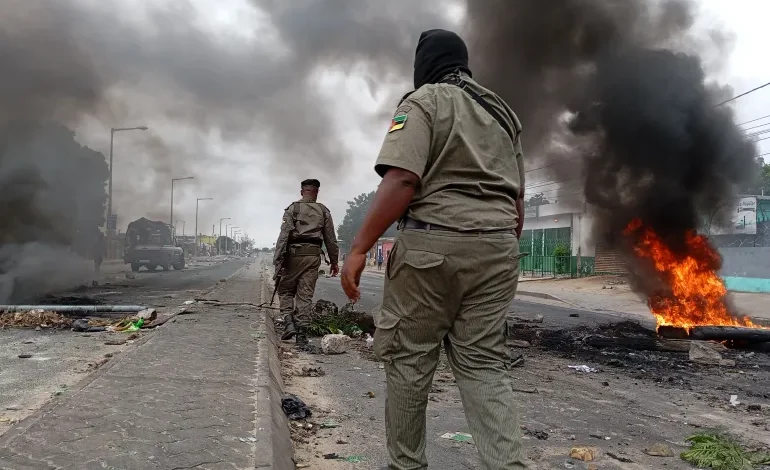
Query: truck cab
(152, 244)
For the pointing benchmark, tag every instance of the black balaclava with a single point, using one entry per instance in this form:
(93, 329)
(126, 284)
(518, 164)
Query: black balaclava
(439, 52)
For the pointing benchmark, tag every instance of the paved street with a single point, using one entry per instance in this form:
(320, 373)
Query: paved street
(181, 397)
(555, 314)
(629, 400)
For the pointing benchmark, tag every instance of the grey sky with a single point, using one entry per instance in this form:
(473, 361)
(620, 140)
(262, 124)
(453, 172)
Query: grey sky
(241, 167)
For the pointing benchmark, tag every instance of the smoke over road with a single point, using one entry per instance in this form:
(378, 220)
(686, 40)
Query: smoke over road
(252, 84)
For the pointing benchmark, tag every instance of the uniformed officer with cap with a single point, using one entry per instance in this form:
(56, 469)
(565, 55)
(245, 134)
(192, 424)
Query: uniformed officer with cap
(453, 173)
(307, 226)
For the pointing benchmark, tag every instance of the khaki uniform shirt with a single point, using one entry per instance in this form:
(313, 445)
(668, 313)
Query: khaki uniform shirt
(470, 171)
(309, 221)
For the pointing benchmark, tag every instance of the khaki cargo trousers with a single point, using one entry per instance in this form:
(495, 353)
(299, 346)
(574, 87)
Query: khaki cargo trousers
(451, 288)
(297, 287)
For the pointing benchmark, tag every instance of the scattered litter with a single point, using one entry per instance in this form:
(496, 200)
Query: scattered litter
(312, 372)
(148, 315)
(247, 439)
(332, 456)
(130, 276)
(754, 408)
(541, 435)
(25, 356)
(330, 424)
(586, 454)
(369, 394)
(518, 343)
(619, 458)
(583, 368)
(34, 319)
(517, 360)
(295, 408)
(342, 441)
(659, 450)
(457, 437)
(574, 315)
(369, 341)
(524, 390)
(734, 400)
(335, 344)
(189, 302)
(82, 325)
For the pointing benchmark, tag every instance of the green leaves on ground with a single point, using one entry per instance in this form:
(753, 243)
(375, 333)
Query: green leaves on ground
(718, 452)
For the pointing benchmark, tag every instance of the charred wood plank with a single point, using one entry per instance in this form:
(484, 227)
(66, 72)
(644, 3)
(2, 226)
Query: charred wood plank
(730, 333)
(639, 344)
(672, 332)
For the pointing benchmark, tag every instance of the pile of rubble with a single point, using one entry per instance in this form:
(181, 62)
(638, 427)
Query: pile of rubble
(34, 319)
(327, 318)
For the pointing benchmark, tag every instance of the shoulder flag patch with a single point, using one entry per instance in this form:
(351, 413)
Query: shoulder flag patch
(397, 123)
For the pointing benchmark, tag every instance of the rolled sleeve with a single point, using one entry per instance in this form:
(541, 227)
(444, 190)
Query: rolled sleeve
(408, 148)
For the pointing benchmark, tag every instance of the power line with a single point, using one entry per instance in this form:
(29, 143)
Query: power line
(757, 119)
(762, 154)
(548, 183)
(754, 134)
(549, 165)
(742, 94)
(754, 127)
(759, 140)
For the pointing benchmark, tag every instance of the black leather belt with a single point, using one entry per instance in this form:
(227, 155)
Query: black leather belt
(408, 223)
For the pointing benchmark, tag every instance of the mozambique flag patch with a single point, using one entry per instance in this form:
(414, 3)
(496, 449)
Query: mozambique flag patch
(397, 123)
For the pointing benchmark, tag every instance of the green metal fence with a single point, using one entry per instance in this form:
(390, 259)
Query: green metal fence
(550, 254)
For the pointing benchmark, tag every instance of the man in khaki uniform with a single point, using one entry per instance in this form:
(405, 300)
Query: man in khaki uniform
(453, 174)
(307, 226)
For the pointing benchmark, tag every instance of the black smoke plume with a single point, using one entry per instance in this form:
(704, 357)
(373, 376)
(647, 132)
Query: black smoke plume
(254, 86)
(619, 90)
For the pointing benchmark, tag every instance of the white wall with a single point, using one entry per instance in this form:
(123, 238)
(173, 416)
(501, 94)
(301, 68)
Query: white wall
(561, 215)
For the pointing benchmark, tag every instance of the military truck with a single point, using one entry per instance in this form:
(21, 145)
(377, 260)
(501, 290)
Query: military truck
(152, 244)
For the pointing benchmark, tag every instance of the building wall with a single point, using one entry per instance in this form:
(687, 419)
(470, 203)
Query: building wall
(574, 216)
(746, 269)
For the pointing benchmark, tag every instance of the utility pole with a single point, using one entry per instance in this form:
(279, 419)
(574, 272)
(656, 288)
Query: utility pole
(171, 220)
(231, 234)
(197, 203)
(219, 242)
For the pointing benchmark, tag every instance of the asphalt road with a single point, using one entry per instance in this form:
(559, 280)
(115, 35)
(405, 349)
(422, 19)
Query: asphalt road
(555, 315)
(155, 288)
(352, 376)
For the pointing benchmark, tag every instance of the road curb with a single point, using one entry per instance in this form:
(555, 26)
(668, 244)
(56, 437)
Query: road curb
(271, 422)
(543, 295)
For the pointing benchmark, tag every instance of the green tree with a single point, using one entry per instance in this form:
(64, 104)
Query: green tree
(354, 219)
(536, 200)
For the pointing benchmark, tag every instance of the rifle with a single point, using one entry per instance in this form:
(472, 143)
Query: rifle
(275, 288)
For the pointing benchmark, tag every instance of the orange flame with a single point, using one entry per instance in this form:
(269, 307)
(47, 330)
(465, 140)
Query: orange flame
(697, 294)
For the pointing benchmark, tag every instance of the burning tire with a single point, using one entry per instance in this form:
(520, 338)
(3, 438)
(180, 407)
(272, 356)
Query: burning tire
(180, 265)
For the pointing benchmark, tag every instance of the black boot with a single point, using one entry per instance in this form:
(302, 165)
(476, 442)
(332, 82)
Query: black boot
(288, 328)
(301, 337)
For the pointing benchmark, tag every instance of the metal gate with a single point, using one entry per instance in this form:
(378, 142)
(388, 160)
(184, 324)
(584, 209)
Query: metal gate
(550, 252)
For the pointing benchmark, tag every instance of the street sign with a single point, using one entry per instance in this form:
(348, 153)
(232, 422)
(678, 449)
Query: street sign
(112, 222)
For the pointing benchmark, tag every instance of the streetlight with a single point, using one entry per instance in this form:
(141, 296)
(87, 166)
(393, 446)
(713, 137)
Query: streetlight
(197, 202)
(231, 233)
(171, 220)
(236, 237)
(113, 130)
(219, 242)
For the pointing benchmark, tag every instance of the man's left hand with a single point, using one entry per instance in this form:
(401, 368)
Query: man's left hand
(335, 269)
(351, 275)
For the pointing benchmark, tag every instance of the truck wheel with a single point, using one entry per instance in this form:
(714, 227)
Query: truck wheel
(135, 267)
(180, 265)
(152, 267)
(166, 266)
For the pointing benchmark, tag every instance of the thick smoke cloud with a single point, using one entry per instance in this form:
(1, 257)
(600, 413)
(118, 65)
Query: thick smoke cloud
(642, 126)
(92, 65)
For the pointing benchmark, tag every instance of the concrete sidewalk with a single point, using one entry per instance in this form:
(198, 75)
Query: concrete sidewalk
(185, 396)
(605, 293)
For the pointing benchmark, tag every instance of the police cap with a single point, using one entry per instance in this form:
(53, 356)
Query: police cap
(311, 182)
